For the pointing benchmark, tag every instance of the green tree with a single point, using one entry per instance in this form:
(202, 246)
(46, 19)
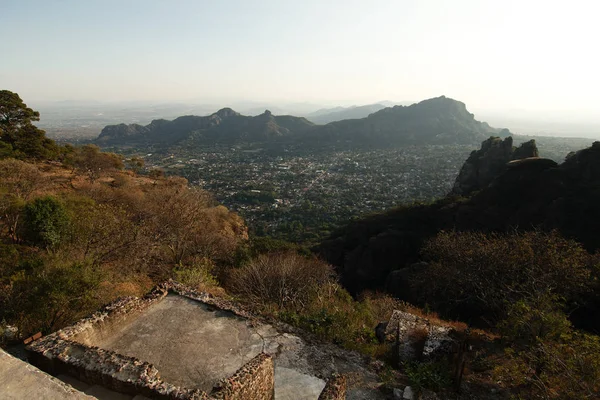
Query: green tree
(46, 221)
(14, 114)
(19, 138)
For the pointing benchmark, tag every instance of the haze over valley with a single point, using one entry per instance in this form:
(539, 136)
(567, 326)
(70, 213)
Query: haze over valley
(362, 200)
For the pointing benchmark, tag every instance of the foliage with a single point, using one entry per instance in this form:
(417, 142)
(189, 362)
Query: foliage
(18, 136)
(545, 357)
(77, 244)
(92, 162)
(480, 274)
(45, 221)
(198, 275)
(434, 375)
(283, 279)
(68, 291)
(135, 163)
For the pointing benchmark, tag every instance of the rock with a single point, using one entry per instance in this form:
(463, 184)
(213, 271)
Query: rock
(398, 394)
(408, 393)
(484, 165)
(9, 333)
(526, 150)
(417, 338)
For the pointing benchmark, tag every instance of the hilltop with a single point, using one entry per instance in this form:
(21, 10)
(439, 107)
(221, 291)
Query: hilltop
(439, 120)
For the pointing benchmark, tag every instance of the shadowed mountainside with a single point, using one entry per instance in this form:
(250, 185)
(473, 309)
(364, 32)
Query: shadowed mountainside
(531, 193)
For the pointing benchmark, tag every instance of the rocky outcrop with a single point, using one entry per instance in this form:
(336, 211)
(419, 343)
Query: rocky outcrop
(489, 162)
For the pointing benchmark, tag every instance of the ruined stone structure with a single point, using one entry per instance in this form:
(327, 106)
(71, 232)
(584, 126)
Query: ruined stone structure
(84, 351)
(417, 338)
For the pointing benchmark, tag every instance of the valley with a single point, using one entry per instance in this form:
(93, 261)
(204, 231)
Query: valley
(301, 195)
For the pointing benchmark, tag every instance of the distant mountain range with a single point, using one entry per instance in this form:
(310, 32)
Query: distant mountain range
(440, 120)
(327, 115)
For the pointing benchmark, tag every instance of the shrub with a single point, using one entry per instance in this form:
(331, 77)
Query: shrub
(479, 274)
(428, 375)
(46, 221)
(283, 279)
(545, 357)
(198, 275)
(67, 290)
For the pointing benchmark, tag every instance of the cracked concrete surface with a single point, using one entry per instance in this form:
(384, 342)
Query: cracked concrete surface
(192, 345)
(195, 345)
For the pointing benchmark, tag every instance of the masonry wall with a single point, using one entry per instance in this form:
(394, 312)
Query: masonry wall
(254, 381)
(335, 389)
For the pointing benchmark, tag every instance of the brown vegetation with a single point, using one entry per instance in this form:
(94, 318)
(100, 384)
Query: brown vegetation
(78, 241)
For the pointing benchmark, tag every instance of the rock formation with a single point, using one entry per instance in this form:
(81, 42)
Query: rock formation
(490, 161)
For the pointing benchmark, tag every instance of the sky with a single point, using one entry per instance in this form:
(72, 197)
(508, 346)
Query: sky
(496, 55)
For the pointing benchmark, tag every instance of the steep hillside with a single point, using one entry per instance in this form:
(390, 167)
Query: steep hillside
(71, 240)
(532, 193)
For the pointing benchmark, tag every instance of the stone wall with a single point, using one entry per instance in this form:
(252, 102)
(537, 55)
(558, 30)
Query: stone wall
(254, 381)
(70, 351)
(335, 389)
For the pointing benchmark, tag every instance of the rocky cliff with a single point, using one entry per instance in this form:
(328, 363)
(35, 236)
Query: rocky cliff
(490, 161)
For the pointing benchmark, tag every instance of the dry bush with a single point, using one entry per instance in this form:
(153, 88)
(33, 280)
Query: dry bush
(283, 279)
(20, 179)
(382, 305)
(199, 275)
(94, 163)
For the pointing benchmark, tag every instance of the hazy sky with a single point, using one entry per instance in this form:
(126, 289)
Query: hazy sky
(528, 54)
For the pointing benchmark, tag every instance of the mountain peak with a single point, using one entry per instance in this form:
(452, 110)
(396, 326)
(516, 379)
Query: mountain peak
(226, 113)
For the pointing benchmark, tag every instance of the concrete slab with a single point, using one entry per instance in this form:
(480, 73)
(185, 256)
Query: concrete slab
(293, 385)
(192, 345)
(19, 380)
